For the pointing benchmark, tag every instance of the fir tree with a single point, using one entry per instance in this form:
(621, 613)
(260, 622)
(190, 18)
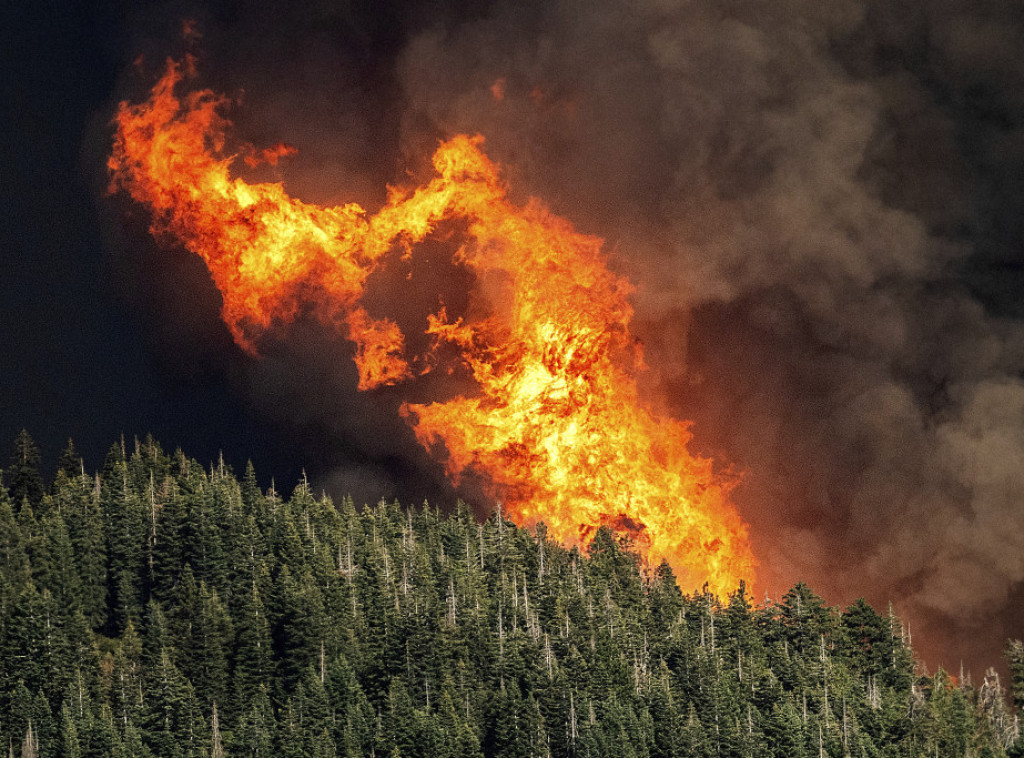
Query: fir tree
(22, 476)
(70, 463)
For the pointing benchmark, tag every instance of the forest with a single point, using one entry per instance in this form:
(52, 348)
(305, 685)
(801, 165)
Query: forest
(165, 608)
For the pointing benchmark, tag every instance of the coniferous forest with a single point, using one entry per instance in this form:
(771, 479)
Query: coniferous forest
(165, 608)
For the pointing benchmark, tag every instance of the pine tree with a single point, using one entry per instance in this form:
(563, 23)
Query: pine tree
(77, 502)
(172, 716)
(301, 628)
(291, 738)
(31, 643)
(665, 717)
(355, 719)
(127, 687)
(70, 744)
(806, 618)
(125, 520)
(204, 524)
(167, 526)
(1015, 657)
(210, 639)
(54, 565)
(15, 568)
(315, 708)
(254, 737)
(398, 728)
(252, 498)
(22, 477)
(253, 665)
(70, 463)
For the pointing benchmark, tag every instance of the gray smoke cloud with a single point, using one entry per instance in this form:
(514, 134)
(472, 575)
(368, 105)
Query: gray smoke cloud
(817, 202)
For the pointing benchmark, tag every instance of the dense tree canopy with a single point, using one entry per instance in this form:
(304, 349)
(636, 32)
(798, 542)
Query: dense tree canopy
(160, 608)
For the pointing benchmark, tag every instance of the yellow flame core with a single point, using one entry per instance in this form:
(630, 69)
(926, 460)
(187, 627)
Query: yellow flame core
(557, 428)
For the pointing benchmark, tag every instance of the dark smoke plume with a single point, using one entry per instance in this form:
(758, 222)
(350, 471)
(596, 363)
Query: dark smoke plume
(817, 202)
(821, 206)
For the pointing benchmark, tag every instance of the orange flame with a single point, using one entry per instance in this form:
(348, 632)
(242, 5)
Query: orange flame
(269, 155)
(557, 427)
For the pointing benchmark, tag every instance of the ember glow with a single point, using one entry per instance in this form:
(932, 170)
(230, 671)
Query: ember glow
(556, 428)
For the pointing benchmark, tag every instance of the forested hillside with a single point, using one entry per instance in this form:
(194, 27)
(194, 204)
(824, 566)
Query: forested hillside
(165, 608)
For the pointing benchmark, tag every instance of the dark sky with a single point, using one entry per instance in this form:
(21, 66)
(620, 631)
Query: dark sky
(78, 361)
(820, 201)
(103, 332)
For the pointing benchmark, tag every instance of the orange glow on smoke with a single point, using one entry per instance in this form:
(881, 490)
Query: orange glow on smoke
(270, 155)
(556, 429)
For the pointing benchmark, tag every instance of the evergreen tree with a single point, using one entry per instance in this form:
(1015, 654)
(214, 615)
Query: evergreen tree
(15, 568)
(398, 724)
(70, 463)
(70, 745)
(254, 737)
(125, 522)
(127, 687)
(54, 565)
(77, 502)
(172, 716)
(1015, 657)
(253, 664)
(22, 476)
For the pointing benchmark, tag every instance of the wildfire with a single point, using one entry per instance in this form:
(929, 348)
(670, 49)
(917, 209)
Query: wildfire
(556, 429)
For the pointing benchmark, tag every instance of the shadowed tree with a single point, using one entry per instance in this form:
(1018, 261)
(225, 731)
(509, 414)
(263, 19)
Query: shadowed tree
(1015, 657)
(70, 462)
(22, 476)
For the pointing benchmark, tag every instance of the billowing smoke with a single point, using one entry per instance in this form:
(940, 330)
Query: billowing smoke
(818, 202)
(812, 197)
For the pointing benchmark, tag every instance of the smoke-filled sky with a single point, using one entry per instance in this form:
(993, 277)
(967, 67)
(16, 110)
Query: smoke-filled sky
(820, 203)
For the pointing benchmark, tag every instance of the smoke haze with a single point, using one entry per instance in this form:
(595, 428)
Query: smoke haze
(818, 201)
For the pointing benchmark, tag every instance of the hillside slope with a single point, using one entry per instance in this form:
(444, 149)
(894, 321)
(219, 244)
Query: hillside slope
(160, 608)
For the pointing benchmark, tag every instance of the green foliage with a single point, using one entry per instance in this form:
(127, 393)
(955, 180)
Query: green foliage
(22, 476)
(166, 609)
(1015, 656)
